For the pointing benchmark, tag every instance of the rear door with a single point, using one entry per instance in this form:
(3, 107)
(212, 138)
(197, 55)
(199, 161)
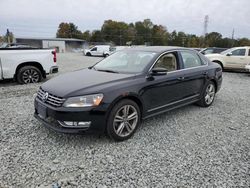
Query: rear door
(238, 59)
(194, 72)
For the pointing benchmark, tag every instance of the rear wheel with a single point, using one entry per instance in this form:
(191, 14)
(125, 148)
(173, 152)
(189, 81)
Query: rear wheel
(123, 120)
(208, 95)
(29, 74)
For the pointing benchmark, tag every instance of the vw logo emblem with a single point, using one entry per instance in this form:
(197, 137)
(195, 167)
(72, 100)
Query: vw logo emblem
(45, 97)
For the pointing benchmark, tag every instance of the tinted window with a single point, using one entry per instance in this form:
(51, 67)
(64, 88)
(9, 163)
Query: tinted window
(239, 52)
(167, 61)
(190, 59)
(249, 53)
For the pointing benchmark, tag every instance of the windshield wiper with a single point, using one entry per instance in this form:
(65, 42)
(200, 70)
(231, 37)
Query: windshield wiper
(106, 70)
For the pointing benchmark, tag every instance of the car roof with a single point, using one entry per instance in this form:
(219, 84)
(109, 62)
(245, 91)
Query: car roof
(157, 49)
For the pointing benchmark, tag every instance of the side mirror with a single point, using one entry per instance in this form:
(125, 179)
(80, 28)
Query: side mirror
(159, 71)
(229, 54)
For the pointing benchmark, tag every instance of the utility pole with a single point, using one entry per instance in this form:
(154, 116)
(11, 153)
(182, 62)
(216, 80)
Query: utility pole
(233, 37)
(8, 36)
(206, 20)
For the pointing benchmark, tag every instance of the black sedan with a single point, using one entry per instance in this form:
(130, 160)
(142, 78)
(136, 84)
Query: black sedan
(114, 95)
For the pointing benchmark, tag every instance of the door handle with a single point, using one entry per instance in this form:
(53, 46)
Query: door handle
(181, 78)
(205, 73)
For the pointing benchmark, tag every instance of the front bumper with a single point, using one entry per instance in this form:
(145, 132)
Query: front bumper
(51, 117)
(247, 67)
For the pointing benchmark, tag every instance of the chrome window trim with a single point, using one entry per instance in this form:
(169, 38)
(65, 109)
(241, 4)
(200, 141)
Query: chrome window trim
(179, 69)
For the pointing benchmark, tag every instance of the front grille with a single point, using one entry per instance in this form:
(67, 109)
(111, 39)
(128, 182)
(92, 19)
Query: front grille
(51, 99)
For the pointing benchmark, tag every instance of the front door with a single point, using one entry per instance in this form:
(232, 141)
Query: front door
(93, 51)
(161, 91)
(238, 59)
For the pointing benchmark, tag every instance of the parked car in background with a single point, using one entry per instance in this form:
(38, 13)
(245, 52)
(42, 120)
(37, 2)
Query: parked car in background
(114, 95)
(212, 50)
(27, 65)
(232, 59)
(196, 49)
(16, 45)
(99, 50)
(247, 67)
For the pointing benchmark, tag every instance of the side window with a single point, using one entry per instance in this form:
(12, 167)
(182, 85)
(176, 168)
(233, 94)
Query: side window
(167, 61)
(249, 53)
(94, 49)
(239, 52)
(190, 59)
(208, 51)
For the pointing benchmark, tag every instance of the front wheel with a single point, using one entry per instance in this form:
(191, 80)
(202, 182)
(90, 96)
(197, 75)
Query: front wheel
(208, 95)
(123, 120)
(29, 74)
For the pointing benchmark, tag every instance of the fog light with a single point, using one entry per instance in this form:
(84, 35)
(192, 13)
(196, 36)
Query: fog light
(75, 124)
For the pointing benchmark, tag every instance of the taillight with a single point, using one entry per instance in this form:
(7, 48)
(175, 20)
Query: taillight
(54, 55)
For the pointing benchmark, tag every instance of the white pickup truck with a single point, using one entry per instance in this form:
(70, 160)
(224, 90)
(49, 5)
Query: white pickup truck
(234, 59)
(27, 65)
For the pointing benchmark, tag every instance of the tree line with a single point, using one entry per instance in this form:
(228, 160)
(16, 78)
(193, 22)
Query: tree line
(146, 32)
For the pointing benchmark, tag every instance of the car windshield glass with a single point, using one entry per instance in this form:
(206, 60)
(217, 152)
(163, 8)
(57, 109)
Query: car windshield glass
(125, 62)
(227, 51)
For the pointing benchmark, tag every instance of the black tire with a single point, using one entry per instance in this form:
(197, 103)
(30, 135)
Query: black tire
(88, 54)
(105, 55)
(29, 74)
(112, 125)
(205, 101)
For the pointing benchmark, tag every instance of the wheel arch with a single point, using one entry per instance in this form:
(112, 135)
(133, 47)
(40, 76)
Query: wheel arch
(219, 62)
(30, 63)
(132, 97)
(215, 84)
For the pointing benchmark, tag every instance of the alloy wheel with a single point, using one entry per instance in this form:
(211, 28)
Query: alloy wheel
(30, 76)
(210, 93)
(125, 120)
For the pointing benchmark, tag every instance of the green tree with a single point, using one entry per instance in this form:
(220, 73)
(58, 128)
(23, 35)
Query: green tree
(213, 39)
(244, 42)
(86, 35)
(96, 36)
(68, 30)
(159, 35)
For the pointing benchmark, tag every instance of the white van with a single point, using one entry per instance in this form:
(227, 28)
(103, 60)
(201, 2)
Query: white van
(100, 50)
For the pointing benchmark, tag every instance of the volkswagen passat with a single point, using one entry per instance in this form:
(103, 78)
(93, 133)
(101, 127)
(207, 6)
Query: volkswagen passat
(114, 95)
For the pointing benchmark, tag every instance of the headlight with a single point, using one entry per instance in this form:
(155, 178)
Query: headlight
(84, 101)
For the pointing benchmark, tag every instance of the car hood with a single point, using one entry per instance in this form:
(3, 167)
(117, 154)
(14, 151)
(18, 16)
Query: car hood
(80, 82)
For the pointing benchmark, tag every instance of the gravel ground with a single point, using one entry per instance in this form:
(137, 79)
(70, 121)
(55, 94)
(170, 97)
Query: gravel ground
(187, 147)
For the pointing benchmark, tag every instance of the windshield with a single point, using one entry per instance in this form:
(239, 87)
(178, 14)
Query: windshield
(125, 62)
(227, 51)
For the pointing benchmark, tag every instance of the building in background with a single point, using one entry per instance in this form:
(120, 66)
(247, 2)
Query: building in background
(61, 44)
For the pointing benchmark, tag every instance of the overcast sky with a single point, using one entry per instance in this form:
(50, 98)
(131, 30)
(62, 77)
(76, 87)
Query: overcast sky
(40, 18)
